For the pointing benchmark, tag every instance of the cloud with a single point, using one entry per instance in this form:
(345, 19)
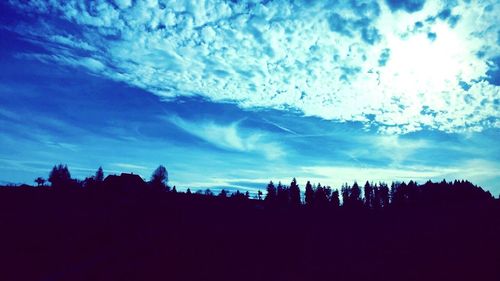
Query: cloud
(285, 129)
(392, 149)
(130, 166)
(494, 71)
(385, 54)
(409, 6)
(341, 61)
(231, 137)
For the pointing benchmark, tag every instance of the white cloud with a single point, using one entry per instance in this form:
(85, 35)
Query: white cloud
(397, 149)
(130, 166)
(230, 137)
(322, 59)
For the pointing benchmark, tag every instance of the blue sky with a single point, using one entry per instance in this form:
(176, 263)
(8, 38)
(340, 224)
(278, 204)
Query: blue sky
(236, 93)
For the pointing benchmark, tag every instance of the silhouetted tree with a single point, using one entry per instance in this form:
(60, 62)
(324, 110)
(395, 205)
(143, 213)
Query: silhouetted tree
(383, 195)
(335, 200)
(60, 177)
(95, 181)
(240, 196)
(345, 190)
(282, 194)
(159, 179)
(399, 194)
(40, 181)
(328, 191)
(392, 193)
(320, 196)
(208, 192)
(352, 196)
(259, 195)
(271, 193)
(174, 190)
(309, 194)
(294, 193)
(412, 193)
(89, 182)
(376, 200)
(188, 191)
(355, 195)
(369, 195)
(99, 175)
(223, 193)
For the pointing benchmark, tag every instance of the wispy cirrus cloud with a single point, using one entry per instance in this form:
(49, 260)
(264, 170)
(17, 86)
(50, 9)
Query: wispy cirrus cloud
(130, 166)
(230, 136)
(400, 66)
(396, 149)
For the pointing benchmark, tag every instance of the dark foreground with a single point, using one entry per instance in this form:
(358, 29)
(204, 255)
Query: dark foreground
(82, 235)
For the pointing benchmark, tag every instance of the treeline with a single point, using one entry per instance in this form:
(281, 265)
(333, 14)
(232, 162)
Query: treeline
(370, 195)
(120, 227)
(377, 195)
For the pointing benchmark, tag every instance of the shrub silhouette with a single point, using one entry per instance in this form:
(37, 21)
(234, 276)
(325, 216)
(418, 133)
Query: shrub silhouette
(159, 179)
(40, 181)
(60, 177)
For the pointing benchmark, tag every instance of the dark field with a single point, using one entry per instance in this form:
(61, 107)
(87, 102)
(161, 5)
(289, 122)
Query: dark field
(91, 235)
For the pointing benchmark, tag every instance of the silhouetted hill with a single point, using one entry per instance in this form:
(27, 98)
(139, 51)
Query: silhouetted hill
(111, 234)
(124, 228)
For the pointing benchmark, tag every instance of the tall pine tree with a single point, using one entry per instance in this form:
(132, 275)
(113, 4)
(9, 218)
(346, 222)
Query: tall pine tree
(294, 193)
(309, 194)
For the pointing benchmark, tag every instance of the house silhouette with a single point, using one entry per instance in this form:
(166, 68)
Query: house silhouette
(124, 182)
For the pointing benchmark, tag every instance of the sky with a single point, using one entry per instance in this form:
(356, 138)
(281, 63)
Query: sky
(232, 94)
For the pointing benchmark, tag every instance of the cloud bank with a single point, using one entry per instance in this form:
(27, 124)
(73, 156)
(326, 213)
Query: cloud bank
(399, 66)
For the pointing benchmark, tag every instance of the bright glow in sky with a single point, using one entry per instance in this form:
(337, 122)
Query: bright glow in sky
(269, 88)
